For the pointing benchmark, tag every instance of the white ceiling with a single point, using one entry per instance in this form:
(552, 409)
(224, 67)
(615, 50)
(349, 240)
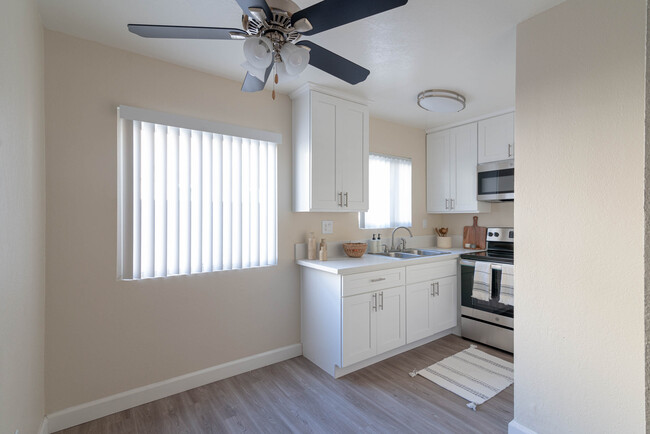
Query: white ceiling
(463, 45)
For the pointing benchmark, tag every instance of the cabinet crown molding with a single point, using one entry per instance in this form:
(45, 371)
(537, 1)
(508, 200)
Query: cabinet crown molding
(469, 121)
(327, 91)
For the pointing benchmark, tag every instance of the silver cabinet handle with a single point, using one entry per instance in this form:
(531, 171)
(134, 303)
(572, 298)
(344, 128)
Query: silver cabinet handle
(437, 288)
(340, 199)
(346, 199)
(446, 203)
(379, 279)
(381, 300)
(452, 203)
(509, 149)
(374, 302)
(432, 289)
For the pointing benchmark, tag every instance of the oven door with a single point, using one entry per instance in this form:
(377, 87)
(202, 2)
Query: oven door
(496, 181)
(491, 307)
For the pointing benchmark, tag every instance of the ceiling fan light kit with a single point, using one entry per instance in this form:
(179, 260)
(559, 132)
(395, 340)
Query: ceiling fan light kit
(441, 101)
(258, 52)
(271, 33)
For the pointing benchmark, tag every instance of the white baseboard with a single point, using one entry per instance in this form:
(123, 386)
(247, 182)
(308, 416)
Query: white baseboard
(515, 427)
(340, 372)
(131, 398)
(44, 429)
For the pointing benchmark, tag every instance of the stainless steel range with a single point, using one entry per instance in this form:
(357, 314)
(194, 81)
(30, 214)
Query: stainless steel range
(489, 322)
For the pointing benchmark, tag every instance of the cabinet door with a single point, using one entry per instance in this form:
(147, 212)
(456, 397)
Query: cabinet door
(496, 138)
(325, 185)
(464, 180)
(391, 321)
(438, 175)
(358, 329)
(352, 154)
(445, 305)
(419, 311)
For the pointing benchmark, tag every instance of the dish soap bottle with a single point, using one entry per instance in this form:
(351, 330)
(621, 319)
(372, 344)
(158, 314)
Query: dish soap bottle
(323, 250)
(311, 246)
(372, 244)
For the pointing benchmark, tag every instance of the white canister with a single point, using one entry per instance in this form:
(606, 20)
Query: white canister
(444, 242)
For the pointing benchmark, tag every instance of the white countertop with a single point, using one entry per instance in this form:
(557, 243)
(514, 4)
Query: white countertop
(368, 262)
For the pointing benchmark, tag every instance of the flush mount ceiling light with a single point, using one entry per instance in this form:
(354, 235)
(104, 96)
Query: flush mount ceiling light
(441, 101)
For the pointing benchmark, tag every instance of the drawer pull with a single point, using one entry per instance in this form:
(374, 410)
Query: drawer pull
(379, 279)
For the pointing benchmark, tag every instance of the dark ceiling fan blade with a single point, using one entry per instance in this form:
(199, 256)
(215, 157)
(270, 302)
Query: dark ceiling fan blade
(333, 13)
(254, 84)
(245, 6)
(183, 32)
(334, 64)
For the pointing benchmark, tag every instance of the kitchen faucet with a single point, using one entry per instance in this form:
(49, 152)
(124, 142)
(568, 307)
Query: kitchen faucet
(392, 237)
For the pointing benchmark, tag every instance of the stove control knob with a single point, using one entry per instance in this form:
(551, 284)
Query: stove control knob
(490, 234)
(496, 234)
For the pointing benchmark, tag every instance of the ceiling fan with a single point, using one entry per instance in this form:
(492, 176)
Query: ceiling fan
(271, 31)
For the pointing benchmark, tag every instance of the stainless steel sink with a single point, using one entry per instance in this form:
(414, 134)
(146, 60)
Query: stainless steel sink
(400, 255)
(426, 252)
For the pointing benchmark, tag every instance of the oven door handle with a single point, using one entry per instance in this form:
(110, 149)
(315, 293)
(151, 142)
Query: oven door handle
(493, 265)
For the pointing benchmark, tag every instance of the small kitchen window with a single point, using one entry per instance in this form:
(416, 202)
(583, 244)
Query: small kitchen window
(389, 193)
(194, 196)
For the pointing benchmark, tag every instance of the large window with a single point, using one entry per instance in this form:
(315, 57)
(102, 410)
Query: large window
(390, 193)
(194, 196)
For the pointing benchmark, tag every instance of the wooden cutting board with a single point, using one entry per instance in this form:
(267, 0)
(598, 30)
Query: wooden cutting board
(475, 235)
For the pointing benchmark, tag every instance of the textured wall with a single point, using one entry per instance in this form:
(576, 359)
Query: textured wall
(105, 336)
(580, 100)
(22, 218)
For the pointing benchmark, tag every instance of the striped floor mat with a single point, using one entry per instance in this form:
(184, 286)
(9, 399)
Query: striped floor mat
(472, 374)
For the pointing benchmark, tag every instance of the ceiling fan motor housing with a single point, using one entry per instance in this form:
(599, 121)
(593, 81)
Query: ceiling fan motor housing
(277, 28)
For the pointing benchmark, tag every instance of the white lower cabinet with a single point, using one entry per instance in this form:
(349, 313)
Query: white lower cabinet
(373, 323)
(431, 299)
(358, 317)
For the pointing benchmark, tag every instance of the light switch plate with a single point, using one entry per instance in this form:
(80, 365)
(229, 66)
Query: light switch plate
(424, 223)
(327, 227)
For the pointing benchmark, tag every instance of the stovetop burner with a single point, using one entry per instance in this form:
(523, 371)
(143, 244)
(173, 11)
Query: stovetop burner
(500, 257)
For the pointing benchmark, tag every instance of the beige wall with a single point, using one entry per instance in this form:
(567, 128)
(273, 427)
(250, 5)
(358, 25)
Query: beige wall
(579, 339)
(105, 336)
(22, 218)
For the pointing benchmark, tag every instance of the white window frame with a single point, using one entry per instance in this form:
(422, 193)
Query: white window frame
(126, 115)
(387, 191)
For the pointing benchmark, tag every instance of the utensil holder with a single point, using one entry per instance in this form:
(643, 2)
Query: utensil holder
(444, 242)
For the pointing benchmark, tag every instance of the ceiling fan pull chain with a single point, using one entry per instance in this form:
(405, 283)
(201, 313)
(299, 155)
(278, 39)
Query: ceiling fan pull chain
(275, 81)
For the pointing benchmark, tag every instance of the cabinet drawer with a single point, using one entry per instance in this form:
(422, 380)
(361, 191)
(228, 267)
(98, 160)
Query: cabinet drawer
(436, 270)
(372, 281)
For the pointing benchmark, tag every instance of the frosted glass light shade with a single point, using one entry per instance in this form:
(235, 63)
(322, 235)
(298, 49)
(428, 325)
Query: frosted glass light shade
(283, 75)
(441, 101)
(258, 52)
(295, 58)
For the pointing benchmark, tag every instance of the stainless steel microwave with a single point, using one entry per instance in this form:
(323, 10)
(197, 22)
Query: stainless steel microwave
(496, 181)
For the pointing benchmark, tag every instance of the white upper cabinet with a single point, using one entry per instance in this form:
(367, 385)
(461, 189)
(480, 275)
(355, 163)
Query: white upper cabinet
(496, 138)
(451, 171)
(330, 153)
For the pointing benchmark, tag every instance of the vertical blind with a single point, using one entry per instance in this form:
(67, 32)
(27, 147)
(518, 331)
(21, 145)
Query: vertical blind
(200, 202)
(389, 193)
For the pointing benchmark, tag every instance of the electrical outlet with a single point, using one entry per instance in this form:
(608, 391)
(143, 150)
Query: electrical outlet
(327, 227)
(424, 223)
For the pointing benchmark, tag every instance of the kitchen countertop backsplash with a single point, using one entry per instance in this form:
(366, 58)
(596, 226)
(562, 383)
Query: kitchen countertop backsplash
(335, 248)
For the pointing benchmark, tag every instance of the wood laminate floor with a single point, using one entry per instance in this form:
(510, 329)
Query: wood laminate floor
(296, 396)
